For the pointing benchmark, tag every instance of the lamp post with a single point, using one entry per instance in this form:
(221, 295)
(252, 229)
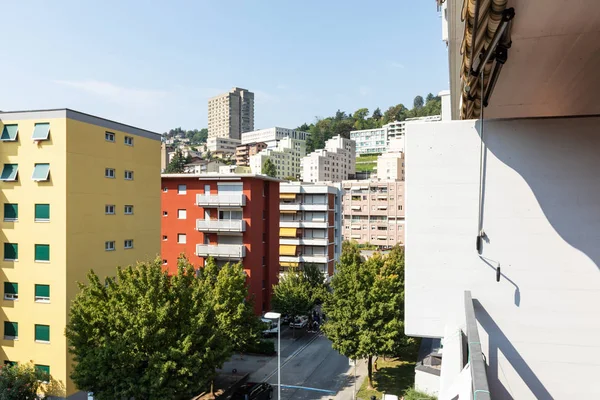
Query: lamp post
(277, 316)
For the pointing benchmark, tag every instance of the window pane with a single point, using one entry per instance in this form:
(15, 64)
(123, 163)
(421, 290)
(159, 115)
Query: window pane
(11, 329)
(9, 172)
(9, 133)
(42, 290)
(11, 211)
(41, 172)
(11, 251)
(42, 332)
(42, 252)
(11, 288)
(42, 211)
(41, 131)
(45, 369)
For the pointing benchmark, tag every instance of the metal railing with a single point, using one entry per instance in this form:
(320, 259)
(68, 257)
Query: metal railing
(221, 225)
(221, 199)
(221, 250)
(481, 390)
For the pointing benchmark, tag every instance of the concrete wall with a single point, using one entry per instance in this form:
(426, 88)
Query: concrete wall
(539, 325)
(427, 382)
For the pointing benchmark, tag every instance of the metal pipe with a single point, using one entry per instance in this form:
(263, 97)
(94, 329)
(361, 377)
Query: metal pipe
(481, 390)
(474, 35)
(507, 15)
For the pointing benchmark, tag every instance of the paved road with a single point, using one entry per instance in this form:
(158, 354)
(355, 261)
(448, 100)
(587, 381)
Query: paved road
(308, 362)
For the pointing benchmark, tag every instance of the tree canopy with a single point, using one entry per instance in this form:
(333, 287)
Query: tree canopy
(292, 295)
(177, 163)
(23, 382)
(269, 168)
(196, 136)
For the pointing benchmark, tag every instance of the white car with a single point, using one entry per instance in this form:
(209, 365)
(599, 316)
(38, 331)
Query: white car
(299, 322)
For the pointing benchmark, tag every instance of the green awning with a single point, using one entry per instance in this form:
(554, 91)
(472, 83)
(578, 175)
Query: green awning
(41, 172)
(41, 131)
(9, 172)
(11, 212)
(11, 288)
(11, 251)
(11, 329)
(9, 133)
(42, 290)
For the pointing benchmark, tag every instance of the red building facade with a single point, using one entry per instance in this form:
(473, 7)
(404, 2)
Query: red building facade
(229, 217)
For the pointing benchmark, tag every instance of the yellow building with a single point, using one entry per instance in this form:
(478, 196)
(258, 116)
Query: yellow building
(78, 192)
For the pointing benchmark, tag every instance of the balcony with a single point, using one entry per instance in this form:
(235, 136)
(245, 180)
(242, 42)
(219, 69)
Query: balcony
(221, 225)
(317, 259)
(221, 200)
(302, 207)
(303, 241)
(221, 250)
(302, 224)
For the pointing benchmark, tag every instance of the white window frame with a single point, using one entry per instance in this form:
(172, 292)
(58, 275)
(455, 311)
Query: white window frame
(181, 189)
(109, 173)
(107, 209)
(42, 299)
(128, 140)
(109, 245)
(180, 212)
(179, 235)
(11, 296)
(164, 262)
(165, 213)
(125, 209)
(130, 173)
(126, 242)
(109, 137)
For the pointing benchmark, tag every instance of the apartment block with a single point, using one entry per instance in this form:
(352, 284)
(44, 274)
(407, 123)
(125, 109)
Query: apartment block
(222, 145)
(231, 217)
(390, 165)
(271, 135)
(335, 163)
(285, 156)
(231, 114)
(310, 226)
(374, 212)
(244, 151)
(79, 192)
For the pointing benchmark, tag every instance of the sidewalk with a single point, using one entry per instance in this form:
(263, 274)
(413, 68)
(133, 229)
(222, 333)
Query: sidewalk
(361, 374)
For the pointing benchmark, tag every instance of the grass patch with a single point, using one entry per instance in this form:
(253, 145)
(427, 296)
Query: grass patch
(366, 167)
(393, 377)
(371, 157)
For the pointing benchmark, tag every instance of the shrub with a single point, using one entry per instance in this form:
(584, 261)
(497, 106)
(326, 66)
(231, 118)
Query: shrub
(263, 346)
(20, 382)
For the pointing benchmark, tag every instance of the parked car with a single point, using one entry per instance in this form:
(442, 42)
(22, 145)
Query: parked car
(270, 327)
(299, 322)
(253, 391)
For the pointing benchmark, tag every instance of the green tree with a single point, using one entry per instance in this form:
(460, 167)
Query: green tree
(316, 283)
(177, 164)
(22, 382)
(145, 335)
(366, 309)
(269, 168)
(200, 136)
(360, 116)
(418, 102)
(429, 98)
(377, 114)
(292, 295)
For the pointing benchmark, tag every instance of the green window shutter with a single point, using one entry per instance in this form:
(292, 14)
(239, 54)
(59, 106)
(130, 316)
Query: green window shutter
(11, 288)
(11, 329)
(42, 252)
(9, 172)
(44, 369)
(41, 131)
(10, 363)
(42, 290)
(42, 211)
(11, 251)
(11, 211)
(42, 332)
(9, 133)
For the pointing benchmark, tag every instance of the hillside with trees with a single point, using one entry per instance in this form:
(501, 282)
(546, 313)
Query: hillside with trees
(196, 136)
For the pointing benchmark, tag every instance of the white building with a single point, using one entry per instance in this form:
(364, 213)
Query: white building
(310, 226)
(502, 243)
(203, 166)
(222, 145)
(390, 165)
(335, 163)
(286, 156)
(271, 135)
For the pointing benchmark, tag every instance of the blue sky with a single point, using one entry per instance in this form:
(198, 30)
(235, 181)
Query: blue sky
(154, 64)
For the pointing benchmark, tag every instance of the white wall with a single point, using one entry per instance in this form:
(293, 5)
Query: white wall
(540, 325)
(427, 383)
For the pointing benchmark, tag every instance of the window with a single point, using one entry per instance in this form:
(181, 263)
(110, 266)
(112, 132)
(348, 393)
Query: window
(165, 237)
(109, 136)
(182, 189)
(11, 291)
(128, 244)
(42, 333)
(129, 140)
(129, 175)
(9, 172)
(41, 131)
(11, 212)
(11, 251)
(109, 246)
(181, 238)
(109, 209)
(42, 293)
(11, 330)
(128, 209)
(400, 208)
(181, 214)
(165, 213)
(165, 189)
(42, 212)
(10, 363)
(44, 369)
(42, 252)
(109, 173)
(9, 133)
(41, 172)
(164, 262)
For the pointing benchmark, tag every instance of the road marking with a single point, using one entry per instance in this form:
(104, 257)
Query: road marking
(291, 356)
(307, 388)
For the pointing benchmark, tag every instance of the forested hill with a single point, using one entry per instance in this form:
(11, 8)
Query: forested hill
(341, 123)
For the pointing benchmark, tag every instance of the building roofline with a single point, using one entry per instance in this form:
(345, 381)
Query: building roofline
(221, 176)
(80, 116)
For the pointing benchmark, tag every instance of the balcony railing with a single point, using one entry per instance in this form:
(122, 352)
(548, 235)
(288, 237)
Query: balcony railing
(221, 225)
(221, 200)
(221, 250)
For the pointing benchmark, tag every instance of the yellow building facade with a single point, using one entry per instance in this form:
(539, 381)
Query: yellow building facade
(78, 192)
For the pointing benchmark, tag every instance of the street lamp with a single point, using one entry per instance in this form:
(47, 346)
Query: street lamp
(277, 316)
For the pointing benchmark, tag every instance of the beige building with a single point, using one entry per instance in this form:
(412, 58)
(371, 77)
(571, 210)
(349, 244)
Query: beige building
(390, 165)
(374, 212)
(286, 157)
(271, 135)
(231, 114)
(244, 151)
(222, 145)
(335, 163)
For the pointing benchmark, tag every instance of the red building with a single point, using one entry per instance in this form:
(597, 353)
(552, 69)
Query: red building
(229, 217)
